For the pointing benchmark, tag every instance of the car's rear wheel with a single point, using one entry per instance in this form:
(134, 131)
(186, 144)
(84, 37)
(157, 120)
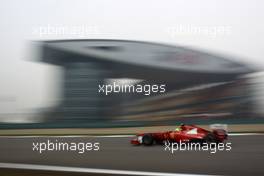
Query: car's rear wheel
(210, 138)
(147, 139)
(196, 141)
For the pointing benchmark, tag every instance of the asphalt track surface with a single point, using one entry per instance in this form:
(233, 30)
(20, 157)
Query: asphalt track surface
(245, 158)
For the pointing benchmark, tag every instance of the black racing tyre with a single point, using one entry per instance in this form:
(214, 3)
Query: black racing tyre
(147, 139)
(196, 141)
(210, 138)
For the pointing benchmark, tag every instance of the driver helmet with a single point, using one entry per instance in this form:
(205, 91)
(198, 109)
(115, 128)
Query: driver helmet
(179, 127)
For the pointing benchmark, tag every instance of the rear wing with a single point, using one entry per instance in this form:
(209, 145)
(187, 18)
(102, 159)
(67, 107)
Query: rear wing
(218, 127)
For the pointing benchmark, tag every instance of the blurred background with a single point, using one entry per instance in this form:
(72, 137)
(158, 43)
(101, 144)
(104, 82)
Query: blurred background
(55, 84)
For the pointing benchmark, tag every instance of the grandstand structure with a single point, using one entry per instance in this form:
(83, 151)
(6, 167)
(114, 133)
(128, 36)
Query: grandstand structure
(198, 84)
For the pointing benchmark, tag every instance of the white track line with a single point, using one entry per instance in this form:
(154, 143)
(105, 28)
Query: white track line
(115, 136)
(87, 170)
(245, 134)
(111, 136)
(70, 136)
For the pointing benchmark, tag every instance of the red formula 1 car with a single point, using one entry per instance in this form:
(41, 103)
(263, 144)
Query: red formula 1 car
(184, 133)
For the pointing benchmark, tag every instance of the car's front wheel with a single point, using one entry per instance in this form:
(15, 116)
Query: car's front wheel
(147, 139)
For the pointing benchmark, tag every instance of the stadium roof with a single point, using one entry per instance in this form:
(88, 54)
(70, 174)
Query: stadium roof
(146, 60)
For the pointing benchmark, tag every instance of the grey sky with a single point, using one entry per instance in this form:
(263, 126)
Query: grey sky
(26, 84)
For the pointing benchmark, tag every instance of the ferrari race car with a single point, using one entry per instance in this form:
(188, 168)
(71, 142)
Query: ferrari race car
(183, 133)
